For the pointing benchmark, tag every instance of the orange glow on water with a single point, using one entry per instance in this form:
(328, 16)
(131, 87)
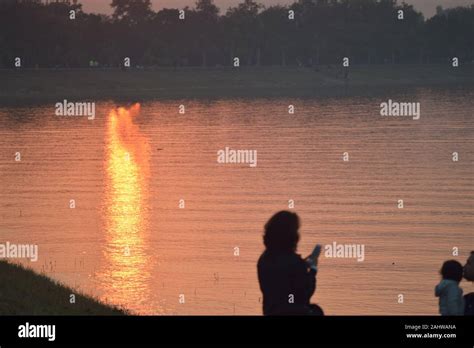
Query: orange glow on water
(126, 220)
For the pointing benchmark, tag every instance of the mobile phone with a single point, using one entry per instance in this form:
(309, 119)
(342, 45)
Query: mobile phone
(316, 252)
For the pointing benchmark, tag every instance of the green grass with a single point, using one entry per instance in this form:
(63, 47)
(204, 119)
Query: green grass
(24, 292)
(165, 83)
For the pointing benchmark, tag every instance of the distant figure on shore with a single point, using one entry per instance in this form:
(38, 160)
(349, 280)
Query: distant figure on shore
(286, 280)
(451, 301)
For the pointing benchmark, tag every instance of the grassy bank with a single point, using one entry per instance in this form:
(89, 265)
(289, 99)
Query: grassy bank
(23, 292)
(44, 85)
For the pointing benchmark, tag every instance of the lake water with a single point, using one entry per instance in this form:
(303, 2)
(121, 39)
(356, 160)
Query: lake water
(128, 241)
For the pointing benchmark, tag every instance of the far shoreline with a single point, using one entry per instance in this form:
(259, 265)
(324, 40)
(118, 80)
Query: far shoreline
(138, 84)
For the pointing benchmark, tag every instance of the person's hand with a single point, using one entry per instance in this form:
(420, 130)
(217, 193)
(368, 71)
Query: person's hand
(311, 261)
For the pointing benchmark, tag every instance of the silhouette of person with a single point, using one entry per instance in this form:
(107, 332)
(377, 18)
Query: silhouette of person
(287, 281)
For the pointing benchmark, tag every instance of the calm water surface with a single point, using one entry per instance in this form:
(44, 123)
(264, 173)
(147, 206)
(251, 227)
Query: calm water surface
(128, 242)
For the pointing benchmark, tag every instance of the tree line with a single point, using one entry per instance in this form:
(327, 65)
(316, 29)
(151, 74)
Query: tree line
(305, 33)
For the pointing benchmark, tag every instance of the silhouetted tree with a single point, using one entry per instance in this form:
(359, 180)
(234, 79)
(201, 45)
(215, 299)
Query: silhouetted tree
(322, 32)
(132, 11)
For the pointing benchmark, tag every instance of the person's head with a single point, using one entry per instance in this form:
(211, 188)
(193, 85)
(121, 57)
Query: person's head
(281, 232)
(469, 268)
(452, 270)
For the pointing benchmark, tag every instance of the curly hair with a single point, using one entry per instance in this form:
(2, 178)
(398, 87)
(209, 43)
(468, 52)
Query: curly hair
(281, 232)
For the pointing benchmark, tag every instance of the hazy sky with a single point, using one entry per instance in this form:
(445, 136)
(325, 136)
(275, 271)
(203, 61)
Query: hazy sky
(426, 6)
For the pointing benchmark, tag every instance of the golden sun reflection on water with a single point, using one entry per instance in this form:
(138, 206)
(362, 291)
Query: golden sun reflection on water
(126, 271)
